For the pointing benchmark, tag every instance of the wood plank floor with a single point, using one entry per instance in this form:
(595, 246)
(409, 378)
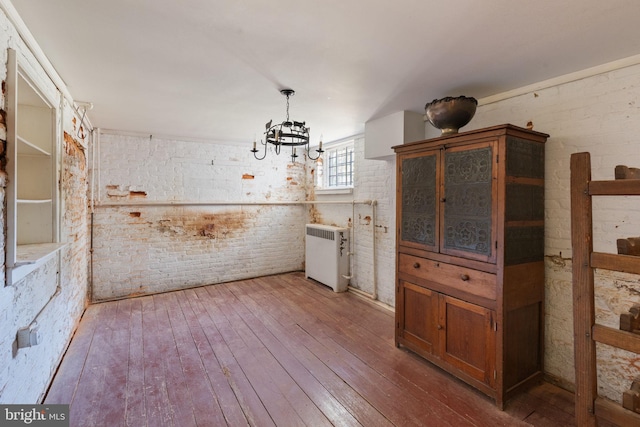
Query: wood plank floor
(278, 350)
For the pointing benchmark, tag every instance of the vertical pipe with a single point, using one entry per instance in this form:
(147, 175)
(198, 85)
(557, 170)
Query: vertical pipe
(95, 144)
(374, 295)
(374, 278)
(91, 260)
(98, 143)
(93, 166)
(353, 240)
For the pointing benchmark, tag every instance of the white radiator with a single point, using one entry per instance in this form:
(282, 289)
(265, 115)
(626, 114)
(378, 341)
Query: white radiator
(327, 255)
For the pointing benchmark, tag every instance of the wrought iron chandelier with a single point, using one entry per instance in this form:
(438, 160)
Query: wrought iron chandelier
(289, 134)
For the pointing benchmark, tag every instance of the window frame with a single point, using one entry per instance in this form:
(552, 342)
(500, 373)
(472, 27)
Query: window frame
(322, 181)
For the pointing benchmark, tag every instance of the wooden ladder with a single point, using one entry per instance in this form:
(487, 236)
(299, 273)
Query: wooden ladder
(589, 406)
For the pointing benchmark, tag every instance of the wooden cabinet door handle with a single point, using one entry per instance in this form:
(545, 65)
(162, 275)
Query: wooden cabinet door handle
(416, 265)
(439, 327)
(464, 277)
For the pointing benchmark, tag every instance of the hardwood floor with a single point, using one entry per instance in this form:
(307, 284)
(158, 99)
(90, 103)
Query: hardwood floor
(278, 350)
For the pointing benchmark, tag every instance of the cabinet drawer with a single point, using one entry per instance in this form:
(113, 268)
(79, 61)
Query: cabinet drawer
(449, 276)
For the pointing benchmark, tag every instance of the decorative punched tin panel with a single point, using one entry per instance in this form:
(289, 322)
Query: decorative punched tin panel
(419, 200)
(524, 202)
(524, 244)
(525, 158)
(468, 206)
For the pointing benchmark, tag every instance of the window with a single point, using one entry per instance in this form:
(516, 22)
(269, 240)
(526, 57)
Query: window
(335, 168)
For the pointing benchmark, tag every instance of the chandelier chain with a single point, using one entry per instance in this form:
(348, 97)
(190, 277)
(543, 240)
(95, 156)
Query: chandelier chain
(287, 107)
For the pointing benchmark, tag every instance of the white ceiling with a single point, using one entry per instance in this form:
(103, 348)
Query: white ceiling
(212, 69)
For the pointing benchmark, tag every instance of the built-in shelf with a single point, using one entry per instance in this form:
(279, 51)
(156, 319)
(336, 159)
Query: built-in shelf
(27, 148)
(33, 201)
(29, 258)
(32, 193)
(34, 253)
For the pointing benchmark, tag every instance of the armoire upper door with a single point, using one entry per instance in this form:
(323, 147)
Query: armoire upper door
(418, 205)
(468, 199)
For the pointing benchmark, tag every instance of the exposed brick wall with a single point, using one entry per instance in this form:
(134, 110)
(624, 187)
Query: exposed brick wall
(149, 249)
(374, 180)
(53, 295)
(25, 373)
(152, 249)
(600, 114)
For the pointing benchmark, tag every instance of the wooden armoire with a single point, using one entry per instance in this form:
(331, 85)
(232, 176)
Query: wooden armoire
(470, 255)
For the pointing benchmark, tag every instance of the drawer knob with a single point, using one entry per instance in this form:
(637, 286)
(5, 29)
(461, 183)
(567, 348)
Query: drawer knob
(439, 327)
(416, 265)
(443, 199)
(464, 277)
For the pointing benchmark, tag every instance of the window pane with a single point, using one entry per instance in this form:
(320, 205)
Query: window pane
(338, 167)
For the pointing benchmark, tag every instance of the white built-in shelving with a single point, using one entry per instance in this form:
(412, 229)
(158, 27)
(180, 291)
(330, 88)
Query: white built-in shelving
(32, 166)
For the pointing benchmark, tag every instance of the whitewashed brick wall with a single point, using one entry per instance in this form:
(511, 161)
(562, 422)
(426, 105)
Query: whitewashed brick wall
(152, 249)
(53, 295)
(599, 114)
(26, 373)
(149, 249)
(374, 180)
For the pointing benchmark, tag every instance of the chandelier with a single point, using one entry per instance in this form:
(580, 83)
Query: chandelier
(289, 134)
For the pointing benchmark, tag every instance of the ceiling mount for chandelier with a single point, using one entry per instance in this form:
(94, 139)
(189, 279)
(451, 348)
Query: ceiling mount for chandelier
(288, 133)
